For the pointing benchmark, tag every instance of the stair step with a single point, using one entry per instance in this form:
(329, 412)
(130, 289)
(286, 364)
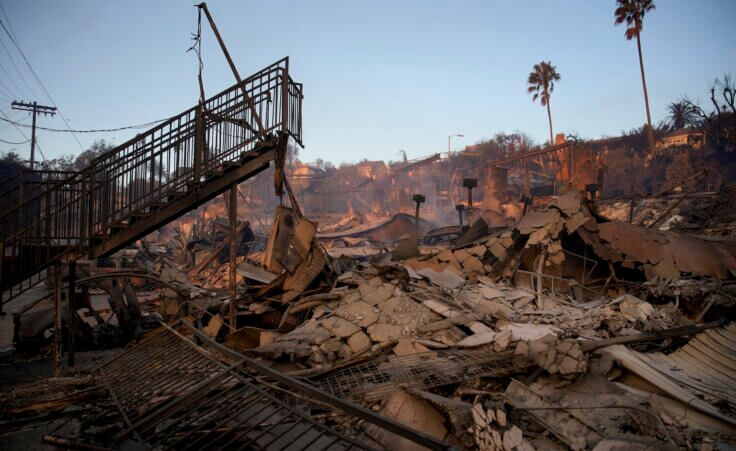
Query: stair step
(119, 226)
(98, 238)
(174, 195)
(247, 156)
(229, 165)
(137, 216)
(216, 173)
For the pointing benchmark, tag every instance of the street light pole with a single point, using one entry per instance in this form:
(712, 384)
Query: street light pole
(449, 137)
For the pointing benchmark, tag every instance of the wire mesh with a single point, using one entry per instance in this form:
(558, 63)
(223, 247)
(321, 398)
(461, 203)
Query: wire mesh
(373, 380)
(174, 394)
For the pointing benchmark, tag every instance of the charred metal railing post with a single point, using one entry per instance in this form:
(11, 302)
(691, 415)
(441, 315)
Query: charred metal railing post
(285, 99)
(48, 224)
(2, 257)
(460, 208)
(21, 218)
(56, 352)
(198, 143)
(71, 311)
(470, 184)
(418, 199)
(83, 205)
(105, 222)
(233, 255)
(91, 207)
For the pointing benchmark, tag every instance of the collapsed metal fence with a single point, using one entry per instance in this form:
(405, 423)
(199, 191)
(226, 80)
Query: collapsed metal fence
(178, 389)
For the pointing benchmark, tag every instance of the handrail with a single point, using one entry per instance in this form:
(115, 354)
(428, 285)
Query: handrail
(66, 214)
(115, 152)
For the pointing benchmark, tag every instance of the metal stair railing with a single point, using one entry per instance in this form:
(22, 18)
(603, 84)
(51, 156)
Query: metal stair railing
(68, 217)
(28, 183)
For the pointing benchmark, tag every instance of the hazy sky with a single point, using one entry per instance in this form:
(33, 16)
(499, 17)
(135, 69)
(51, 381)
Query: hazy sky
(378, 76)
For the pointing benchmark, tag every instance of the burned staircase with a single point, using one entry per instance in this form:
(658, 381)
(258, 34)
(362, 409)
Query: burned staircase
(141, 185)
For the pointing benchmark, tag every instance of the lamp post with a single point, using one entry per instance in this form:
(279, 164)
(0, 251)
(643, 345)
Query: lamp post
(470, 184)
(460, 208)
(418, 199)
(449, 137)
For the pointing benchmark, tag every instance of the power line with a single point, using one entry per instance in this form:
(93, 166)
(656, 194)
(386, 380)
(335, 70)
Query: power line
(12, 61)
(11, 80)
(38, 80)
(99, 130)
(14, 36)
(6, 119)
(5, 90)
(13, 115)
(14, 143)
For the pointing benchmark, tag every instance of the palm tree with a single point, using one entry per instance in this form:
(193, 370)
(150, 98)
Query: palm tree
(632, 12)
(541, 82)
(681, 114)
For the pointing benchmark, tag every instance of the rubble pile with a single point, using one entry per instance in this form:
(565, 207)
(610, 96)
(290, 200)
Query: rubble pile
(708, 213)
(564, 330)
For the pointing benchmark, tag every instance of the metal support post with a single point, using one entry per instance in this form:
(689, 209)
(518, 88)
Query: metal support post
(56, 350)
(71, 310)
(418, 199)
(248, 100)
(460, 208)
(199, 144)
(470, 184)
(233, 254)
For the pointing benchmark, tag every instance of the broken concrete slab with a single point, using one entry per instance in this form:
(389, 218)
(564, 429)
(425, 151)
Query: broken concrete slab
(384, 332)
(414, 412)
(359, 312)
(375, 296)
(339, 327)
(359, 342)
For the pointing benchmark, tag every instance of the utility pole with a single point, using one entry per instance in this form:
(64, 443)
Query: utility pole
(34, 108)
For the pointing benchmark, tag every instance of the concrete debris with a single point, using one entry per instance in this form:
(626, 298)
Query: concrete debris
(568, 426)
(592, 315)
(411, 411)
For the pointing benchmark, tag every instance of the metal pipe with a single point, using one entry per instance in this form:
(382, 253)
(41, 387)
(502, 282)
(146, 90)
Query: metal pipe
(247, 99)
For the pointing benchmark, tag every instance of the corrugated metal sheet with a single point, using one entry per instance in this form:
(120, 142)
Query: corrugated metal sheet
(703, 370)
(706, 365)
